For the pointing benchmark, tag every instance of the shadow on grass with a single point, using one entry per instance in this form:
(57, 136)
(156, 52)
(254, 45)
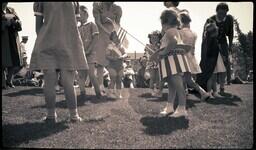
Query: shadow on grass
(146, 95)
(163, 125)
(32, 91)
(16, 134)
(81, 101)
(228, 99)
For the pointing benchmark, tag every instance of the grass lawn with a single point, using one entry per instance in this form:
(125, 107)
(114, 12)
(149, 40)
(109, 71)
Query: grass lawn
(133, 122)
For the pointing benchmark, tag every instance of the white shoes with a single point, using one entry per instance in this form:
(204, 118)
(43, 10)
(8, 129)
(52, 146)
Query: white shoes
(167, 110)
(179, 113)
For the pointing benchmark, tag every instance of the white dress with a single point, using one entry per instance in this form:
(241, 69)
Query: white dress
(220, 67)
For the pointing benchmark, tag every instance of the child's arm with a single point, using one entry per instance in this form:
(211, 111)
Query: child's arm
(94, 40)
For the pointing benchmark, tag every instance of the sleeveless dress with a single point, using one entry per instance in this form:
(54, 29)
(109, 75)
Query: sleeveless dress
(175, 62)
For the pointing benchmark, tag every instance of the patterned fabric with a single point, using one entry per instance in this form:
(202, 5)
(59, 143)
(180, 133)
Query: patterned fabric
(175, 61)
(173, 64)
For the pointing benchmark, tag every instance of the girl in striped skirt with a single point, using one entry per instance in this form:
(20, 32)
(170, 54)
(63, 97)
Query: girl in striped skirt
(173, 63)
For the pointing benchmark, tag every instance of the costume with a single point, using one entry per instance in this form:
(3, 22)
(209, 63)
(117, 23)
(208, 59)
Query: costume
(175, 61)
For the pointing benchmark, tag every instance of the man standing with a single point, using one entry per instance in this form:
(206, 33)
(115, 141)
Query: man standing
(224, 22)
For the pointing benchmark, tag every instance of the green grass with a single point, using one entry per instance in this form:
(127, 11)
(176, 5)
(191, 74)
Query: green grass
(133, 122)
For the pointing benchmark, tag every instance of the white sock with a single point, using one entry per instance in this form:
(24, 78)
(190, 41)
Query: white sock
(73, 113)
(51, 113)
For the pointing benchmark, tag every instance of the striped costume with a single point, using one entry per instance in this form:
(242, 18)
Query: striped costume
(176, 61)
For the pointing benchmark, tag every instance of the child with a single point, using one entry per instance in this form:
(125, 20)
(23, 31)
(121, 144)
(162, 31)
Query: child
(58, 47)
(152, 67)
(173, 63)
(115, 54)
(189, 37)
(89, 34)
(211, 60)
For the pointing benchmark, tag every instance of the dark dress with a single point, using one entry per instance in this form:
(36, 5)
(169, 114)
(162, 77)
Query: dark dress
(209, 56)
(226, 28)
(11, 53)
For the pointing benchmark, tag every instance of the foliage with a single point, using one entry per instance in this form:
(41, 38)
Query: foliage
(242, 52)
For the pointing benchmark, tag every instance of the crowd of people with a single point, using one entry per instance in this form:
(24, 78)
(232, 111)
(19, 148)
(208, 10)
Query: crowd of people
(79, 49)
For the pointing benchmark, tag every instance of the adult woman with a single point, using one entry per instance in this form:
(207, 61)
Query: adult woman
(104, 13)
(11, 54)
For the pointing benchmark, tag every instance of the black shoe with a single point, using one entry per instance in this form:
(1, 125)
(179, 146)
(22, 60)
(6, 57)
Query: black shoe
(222, 91)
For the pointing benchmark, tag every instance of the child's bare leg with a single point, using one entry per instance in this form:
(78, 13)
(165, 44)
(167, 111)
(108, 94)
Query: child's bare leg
(93, 79)
(82, 74)
(152, 79)
(169, 108)
(100, 75)
(119, 83)
(190, 81)
(70, 94)
(50, 79)
(177, 82)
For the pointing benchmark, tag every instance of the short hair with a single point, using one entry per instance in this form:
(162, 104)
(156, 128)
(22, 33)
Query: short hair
(184, 16)
(175, 3)
(223, 6)
(83, 8)
(169, 17)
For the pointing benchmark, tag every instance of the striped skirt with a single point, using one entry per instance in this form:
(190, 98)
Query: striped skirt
(173, 64)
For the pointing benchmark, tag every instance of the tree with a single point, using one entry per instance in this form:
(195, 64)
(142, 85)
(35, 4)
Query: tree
(243, 52)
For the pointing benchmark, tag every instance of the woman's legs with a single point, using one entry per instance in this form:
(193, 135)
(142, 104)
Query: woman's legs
(50, 78)
(70, 94)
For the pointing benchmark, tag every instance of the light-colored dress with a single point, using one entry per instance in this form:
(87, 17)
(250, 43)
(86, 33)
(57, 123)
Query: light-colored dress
(113, 13)
(58, 44)
(176, 62)
(87, 31)
(220, 67)
(189, 38)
